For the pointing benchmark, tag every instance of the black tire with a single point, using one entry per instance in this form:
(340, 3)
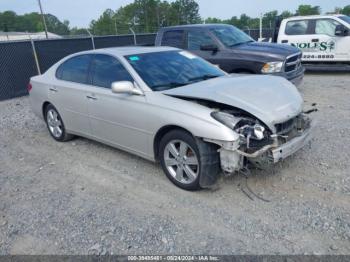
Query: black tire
(64, 136)
(206, 154)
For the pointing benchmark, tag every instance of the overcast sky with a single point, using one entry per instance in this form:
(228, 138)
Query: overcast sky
(81, 12)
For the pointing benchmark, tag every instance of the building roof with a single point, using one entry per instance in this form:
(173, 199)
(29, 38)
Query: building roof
(15, 36)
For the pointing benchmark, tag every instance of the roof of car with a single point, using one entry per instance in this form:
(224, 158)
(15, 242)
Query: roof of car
(194, 26)
(313, 17)
(130, 50)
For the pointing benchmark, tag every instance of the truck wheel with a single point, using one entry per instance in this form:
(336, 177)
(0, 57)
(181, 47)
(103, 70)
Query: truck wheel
(189, 163)
(55, 124)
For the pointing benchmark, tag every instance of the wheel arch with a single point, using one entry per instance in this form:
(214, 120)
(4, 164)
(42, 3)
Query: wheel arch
(45, 104)
(161, 133)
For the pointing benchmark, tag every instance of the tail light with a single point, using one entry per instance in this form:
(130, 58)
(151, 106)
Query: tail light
(29, 87)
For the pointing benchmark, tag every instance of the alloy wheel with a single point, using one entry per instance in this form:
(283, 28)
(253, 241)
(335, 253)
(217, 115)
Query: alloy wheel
(54, 123)
(181, 161)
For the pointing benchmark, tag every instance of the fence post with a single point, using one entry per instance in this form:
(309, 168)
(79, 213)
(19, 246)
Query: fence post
(35, 55)
(133, 32)
(92, 39)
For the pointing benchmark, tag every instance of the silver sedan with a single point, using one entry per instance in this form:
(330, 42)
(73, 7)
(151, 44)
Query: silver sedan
(168, 105)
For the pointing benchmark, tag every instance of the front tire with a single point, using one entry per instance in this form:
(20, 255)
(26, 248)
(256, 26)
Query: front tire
(55, 124)
(188, 162)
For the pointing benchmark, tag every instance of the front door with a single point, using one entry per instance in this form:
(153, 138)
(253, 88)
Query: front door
(197, 39)
(332, 47)
(116, 118)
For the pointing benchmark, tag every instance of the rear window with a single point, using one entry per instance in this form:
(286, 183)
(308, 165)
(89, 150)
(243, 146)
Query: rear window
(174, 38)
(75, 69)
(297, 27)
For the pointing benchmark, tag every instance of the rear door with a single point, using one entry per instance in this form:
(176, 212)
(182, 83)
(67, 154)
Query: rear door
(174, 38)
(117, 119)
(68, 93)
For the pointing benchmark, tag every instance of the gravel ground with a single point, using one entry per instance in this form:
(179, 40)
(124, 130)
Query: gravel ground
(83, 197)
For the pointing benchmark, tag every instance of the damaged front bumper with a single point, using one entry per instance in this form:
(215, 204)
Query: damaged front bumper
(292, 146)
(232, 157)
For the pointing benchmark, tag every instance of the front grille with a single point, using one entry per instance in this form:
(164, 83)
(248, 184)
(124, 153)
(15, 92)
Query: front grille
(293, 63)
(285, 127)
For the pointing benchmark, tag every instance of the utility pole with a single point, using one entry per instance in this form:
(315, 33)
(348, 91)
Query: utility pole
(115, 25)
(43, 17)
(261, 20)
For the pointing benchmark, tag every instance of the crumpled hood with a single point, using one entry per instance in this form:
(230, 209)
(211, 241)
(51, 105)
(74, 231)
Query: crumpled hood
(269, 98)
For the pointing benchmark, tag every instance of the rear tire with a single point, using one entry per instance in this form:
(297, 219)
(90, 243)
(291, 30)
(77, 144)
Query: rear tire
(55, 124)
(188, 162)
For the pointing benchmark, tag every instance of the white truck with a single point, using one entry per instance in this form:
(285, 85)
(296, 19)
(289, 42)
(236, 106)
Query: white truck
(323, 39)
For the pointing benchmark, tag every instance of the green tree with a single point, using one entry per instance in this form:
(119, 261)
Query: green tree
(286, 14)
(8, 21)
(308, 10)
(105, 24)
(184, 12)
(78, 31)
(32, 22)
(213, 20)
(269, 19)
(346, 10)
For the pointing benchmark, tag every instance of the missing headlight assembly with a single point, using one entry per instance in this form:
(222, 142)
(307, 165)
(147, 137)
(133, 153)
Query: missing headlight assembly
(258, 145)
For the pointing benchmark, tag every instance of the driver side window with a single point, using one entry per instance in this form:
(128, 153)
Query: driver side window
(198, 38)
(326, 27)
(106, 70)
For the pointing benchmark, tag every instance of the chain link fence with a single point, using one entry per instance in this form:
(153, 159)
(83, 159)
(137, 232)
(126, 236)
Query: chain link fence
(18, 65)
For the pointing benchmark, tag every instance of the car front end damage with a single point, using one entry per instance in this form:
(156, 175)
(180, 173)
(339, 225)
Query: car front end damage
(260, 146)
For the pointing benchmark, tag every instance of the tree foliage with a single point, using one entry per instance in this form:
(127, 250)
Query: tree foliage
(308, 10)
(346, 10)
(144, 16)
(32, 22)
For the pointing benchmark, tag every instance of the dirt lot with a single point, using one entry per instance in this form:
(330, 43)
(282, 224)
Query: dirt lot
(83, 197)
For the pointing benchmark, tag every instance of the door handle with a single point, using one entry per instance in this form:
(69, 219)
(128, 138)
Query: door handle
(284, 41)
(91, 97)
(52, 89)
(315, 40)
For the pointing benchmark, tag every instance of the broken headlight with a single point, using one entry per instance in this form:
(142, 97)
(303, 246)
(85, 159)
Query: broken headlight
(224, 118)
(251, 130)
(244, 126)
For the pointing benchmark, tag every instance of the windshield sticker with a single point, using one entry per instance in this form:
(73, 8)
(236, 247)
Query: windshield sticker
(134, 58)
(187, 54)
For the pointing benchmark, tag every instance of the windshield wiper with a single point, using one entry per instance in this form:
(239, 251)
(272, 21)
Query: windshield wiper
(168, 85)
(203, 77)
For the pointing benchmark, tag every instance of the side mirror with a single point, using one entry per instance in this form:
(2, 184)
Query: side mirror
(125, 87)
(213, 48)
(341, 30)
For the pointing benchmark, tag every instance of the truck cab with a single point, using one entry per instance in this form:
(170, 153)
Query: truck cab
(234, 51)
(322, 39)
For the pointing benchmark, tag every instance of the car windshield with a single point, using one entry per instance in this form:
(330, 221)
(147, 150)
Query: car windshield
(231, 36)
(345, 18)
(171, 69)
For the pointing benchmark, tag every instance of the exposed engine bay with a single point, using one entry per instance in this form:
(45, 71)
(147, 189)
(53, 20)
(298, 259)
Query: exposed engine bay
(258, 144)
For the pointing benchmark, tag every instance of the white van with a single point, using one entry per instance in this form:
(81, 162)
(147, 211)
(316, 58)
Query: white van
(322, 39)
